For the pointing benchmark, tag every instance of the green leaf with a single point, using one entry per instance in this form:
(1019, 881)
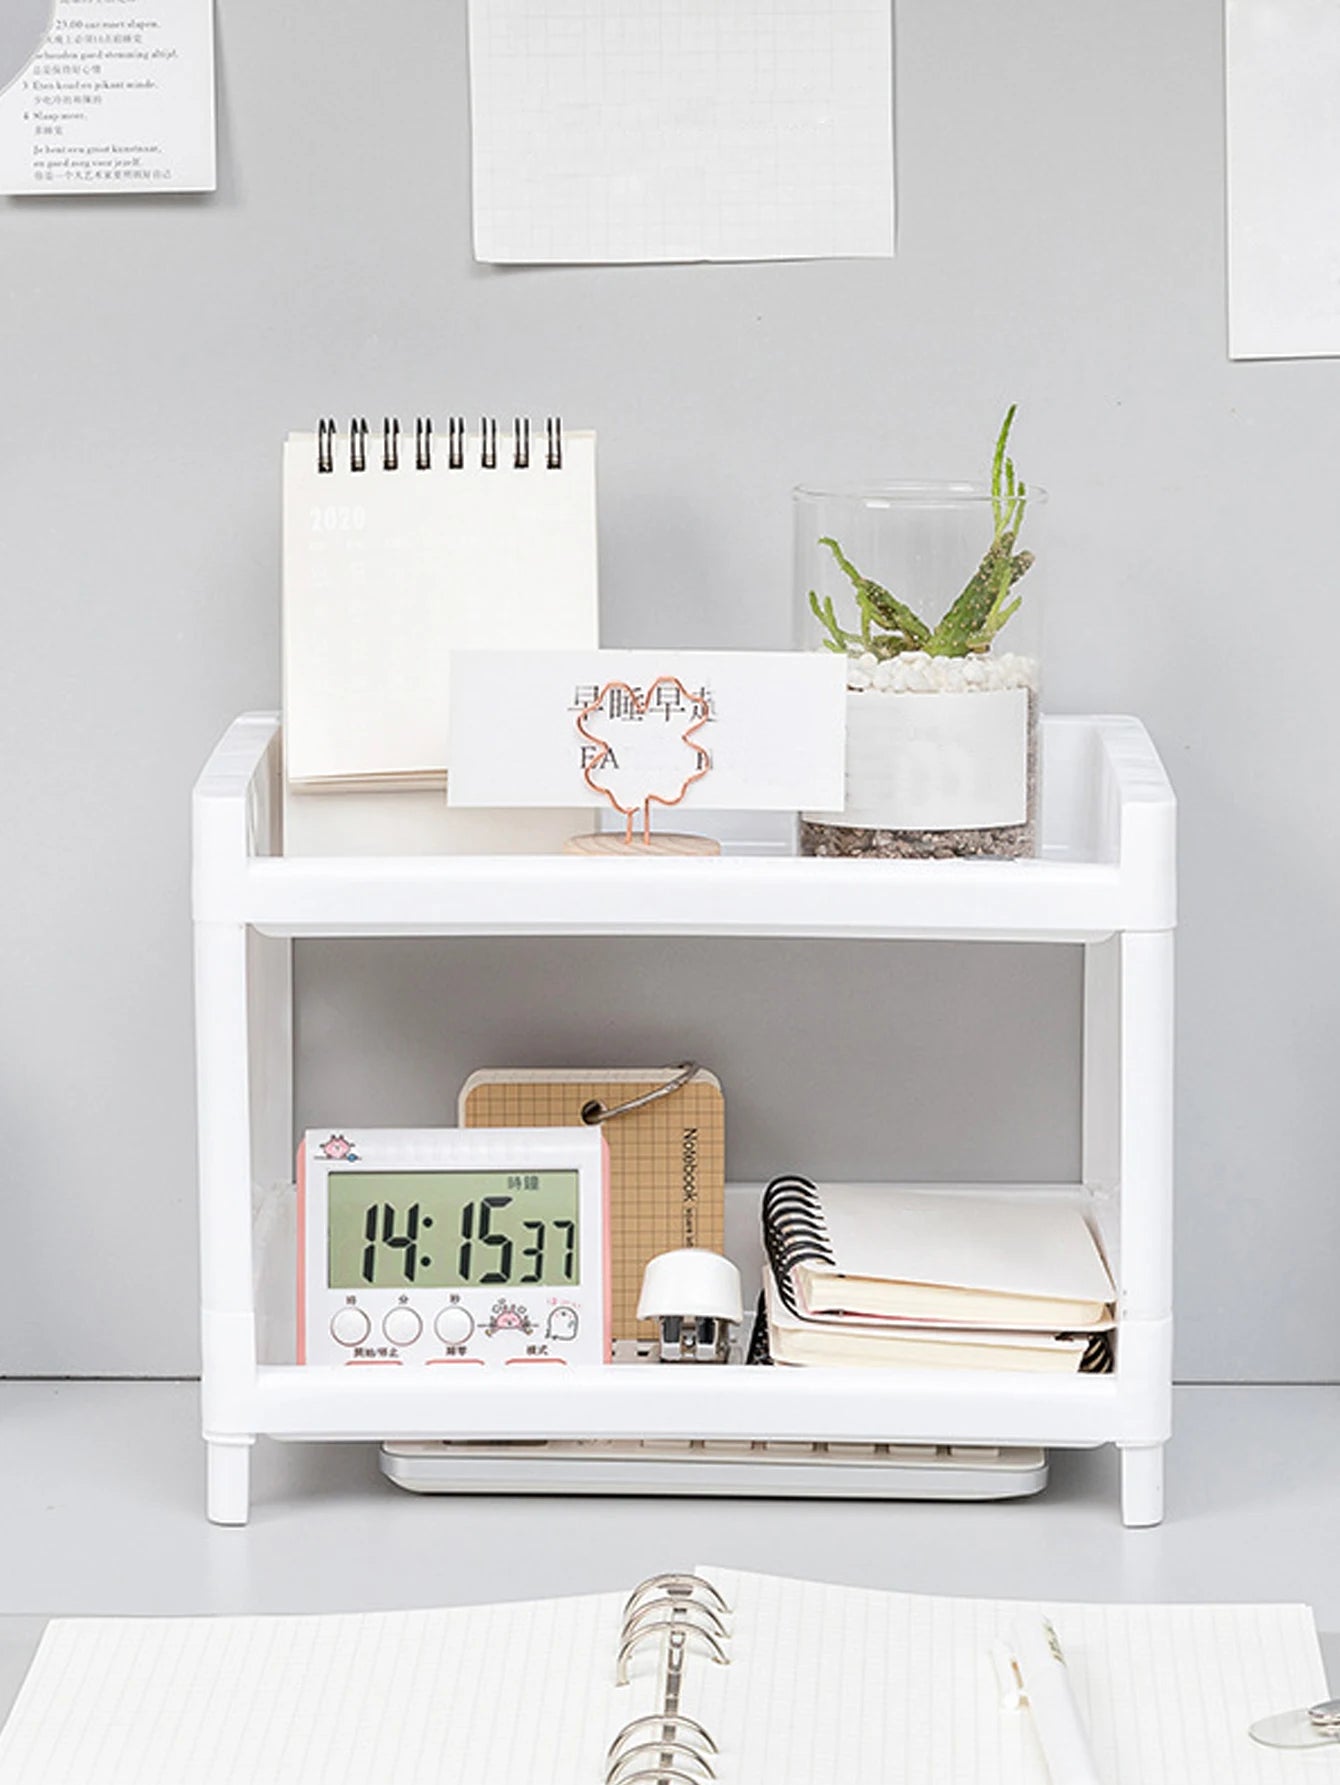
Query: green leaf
(876, 604)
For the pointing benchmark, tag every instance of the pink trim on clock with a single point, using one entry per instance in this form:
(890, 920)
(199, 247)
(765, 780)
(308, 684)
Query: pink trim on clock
(302, 1251)
(608, 1310)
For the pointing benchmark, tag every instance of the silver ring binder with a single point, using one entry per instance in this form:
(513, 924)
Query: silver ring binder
(662, 1721)
(458, 443)
(684, 1610)
(658, 1773)
(667, 1747)
(595, 1111)
(679, 1633)
(683, 1584)
(663, 1746)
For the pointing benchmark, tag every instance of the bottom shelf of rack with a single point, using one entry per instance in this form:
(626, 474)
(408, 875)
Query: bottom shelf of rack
(375, 1401)
(330, 1402)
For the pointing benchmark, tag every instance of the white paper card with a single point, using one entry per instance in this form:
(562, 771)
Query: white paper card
(677, 130)
(119, 97)
(775, 735)
(1283, 67)
(935, 761)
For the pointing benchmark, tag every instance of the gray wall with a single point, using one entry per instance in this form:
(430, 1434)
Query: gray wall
(1060, 243)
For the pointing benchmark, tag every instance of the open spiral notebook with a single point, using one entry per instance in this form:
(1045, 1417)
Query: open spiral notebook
(818, 1683)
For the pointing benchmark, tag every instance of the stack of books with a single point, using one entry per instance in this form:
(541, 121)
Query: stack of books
(869, 1275)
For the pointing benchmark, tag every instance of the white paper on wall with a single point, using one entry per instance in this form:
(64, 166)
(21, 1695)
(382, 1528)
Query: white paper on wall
(1283, 71)
(119, 97)
(24, 25)
(606, 131)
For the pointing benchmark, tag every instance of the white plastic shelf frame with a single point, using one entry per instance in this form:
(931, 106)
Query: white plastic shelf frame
(1105, 879)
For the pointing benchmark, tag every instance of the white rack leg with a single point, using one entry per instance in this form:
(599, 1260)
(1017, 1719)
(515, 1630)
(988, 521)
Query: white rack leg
(1144, 1131)
(1102, 1101)
(228, 1480)
(226, 1138)
(1146, 1125)
(1141, 1484)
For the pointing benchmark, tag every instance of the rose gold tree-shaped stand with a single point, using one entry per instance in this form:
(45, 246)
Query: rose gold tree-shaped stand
(666, 699)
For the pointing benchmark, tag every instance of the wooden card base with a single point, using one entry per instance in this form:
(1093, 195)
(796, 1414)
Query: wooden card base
(660, 843)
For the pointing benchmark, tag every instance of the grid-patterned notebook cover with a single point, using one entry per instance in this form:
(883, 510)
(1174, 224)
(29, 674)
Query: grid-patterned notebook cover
(667, 1159)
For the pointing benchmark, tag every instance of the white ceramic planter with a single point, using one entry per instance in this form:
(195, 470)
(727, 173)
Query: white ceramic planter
(941, 760)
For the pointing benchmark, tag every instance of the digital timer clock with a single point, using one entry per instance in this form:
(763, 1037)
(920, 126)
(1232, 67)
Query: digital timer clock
(453, 1246)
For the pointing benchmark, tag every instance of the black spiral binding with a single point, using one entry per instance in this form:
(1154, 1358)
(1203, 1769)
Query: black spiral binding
(325, 445)
(794, 1232)
(458, 444)
(1099, 1357)
(760, 1350)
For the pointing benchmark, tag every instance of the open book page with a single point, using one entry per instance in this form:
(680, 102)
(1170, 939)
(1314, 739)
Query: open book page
(838, 1682)
(503, 1695)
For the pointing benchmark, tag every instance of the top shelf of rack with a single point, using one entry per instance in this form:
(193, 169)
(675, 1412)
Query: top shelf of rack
(1108, 864)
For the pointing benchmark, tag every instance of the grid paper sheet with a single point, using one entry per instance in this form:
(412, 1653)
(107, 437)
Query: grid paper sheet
(667, 1162)
(824, 1683)
(657, 130)
(846, 1683)
(502, 1695)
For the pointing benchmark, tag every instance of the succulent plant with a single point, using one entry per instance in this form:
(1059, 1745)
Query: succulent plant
(888, 626)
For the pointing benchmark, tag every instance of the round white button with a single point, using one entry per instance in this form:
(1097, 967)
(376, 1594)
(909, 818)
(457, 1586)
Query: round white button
(349, 1326)
(402, 1326)
(454, 1324)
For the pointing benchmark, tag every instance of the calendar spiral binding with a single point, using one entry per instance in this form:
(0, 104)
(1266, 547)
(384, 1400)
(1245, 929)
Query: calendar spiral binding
(338, 451)
(794, 1232)
(667, 1746)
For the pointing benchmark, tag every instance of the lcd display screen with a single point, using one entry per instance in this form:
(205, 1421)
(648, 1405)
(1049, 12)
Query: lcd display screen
(452, 1229)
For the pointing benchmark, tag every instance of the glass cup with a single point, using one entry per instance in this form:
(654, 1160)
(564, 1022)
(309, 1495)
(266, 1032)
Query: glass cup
(931, 593)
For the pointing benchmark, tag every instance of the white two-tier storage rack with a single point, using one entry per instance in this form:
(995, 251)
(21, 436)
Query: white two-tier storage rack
(1105, 879)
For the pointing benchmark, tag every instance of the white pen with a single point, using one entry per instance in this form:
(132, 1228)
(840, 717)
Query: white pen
(1034, 1670)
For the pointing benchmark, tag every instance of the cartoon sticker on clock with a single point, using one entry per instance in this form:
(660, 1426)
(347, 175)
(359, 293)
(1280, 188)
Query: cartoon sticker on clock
(508, 1317)
(338, 1147)
(562, 1323)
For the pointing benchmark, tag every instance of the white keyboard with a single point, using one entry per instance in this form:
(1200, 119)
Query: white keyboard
(853, 1471)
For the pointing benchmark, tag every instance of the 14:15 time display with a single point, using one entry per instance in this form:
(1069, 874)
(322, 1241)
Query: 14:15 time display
(485, 1253)
(452, 1230)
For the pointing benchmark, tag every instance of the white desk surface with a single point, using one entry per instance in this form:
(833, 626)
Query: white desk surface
(101, 1511)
